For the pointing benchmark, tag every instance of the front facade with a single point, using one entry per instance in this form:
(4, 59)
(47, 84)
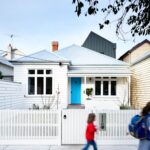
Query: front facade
(139, 59)
(72, 71)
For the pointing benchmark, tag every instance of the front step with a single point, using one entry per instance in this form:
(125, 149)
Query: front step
(75, 106)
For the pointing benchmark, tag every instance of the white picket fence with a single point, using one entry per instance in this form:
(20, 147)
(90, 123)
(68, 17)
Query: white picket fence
(55, 127)
(30, 127)
(116, 127)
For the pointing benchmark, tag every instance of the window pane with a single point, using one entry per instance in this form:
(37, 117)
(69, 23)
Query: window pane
(113, 87)
(98, 77)
(113, 78)
(31, 85)
(31, 71)
(48, 85)
(40, 72)
(105, 87)
(48, 71)
(40, 85)
(97, 87)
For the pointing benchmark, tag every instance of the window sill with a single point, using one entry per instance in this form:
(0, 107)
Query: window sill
(105, 96)
(37, 96)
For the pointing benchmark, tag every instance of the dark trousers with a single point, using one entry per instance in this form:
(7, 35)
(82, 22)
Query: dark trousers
(93, 143)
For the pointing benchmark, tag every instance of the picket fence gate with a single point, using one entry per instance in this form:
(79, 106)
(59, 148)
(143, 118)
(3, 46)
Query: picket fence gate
(113, 125)
(67, 126)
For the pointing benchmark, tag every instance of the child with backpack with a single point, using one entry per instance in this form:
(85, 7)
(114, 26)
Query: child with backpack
(90, 131)
(145, 143)
(140, 128)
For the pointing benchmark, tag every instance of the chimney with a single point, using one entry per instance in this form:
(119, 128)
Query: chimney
(54, 46)
(12, 52)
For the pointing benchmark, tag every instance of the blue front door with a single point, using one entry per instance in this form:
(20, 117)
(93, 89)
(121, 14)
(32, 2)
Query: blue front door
(75, 90)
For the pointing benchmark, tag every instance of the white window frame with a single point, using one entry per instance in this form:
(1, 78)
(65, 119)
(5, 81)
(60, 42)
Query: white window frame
(109, 79)
(44, 75)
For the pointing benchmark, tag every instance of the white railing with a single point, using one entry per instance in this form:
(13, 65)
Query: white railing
(30, 127)
(115, 126)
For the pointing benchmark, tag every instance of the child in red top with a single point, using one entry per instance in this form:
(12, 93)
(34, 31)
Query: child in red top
(90, 131)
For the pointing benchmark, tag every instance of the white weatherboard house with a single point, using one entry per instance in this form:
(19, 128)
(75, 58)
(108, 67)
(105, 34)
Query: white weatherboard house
(72, 70)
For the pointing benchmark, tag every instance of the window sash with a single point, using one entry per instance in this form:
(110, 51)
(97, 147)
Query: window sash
(31, 86)
(109, 86)
(44, 86)
(40, 85)
(98, 88)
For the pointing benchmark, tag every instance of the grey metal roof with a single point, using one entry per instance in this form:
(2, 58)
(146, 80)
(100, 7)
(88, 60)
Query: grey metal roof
(5, 61)
(83, 56)
(100, 44)
(143, 57)
(42, 56)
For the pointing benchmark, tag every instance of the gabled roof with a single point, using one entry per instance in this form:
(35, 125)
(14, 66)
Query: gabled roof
(42, 56)
(84, 56)
(134, 48)
(143, 57)
(5, 61)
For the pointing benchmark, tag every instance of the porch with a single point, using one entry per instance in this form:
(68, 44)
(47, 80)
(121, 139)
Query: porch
(98, 90)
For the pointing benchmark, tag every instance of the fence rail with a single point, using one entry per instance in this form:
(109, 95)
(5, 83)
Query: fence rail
(30, 126)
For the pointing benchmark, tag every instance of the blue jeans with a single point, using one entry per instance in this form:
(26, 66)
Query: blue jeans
(90, 143)
(144, 145)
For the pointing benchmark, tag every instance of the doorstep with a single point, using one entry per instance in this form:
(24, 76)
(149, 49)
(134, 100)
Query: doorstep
(75, 106)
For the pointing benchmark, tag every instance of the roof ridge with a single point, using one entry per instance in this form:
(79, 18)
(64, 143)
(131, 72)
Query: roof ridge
(30, 55)
(94, 52)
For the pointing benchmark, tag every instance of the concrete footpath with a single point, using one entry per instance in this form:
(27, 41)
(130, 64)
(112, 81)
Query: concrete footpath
(67, 147)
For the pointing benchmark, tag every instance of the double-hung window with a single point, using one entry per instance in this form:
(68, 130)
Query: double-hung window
(40, 82)
(105, 86)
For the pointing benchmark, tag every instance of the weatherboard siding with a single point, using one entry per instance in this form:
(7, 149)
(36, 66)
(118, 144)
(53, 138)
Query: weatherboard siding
(140, 51)
(134, 55)
(140, 83)
(11, 95)
(59, 79)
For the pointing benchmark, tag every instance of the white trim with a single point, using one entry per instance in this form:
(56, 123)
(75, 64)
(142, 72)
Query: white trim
(109, 87)
(44, 75)
(98, 75)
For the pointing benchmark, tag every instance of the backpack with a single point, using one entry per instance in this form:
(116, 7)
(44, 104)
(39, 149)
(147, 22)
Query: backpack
(137, 127)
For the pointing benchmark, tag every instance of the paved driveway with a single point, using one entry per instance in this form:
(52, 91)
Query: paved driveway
(70, 147)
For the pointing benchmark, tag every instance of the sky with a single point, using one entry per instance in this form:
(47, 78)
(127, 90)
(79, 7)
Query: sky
(36, 23)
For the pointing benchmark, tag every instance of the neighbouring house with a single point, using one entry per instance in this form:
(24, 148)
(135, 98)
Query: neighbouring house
(12, 53)
(73, 71)
(139, 59)
(99, 44)
(6, 69)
